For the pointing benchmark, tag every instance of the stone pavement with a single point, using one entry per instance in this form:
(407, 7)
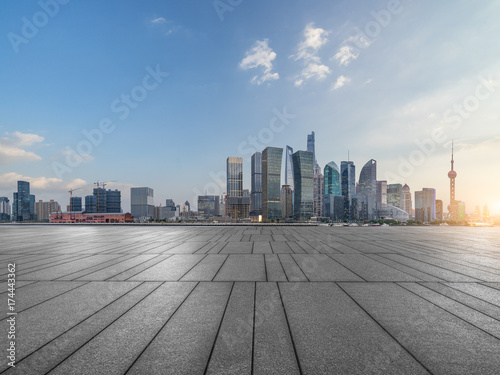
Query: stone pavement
(252, 299)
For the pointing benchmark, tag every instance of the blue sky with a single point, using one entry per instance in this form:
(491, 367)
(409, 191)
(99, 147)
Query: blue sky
(378, 78)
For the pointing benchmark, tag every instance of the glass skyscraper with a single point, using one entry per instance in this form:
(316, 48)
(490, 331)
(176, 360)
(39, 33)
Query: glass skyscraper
(256, 191)
(303, 172)
(289, 167)
(4, 209)
(271, 183)
(103, 201)
(331, 190)
(24, 203)
(425, 205)
(348, 186)
(368, 188)
(208, 206)
(395, 195)
(234, 176)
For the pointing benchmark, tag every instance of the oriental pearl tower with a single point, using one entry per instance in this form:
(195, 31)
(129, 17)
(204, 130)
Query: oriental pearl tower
(453, 207)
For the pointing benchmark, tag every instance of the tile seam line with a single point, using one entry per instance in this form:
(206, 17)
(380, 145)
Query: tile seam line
(451, 313)
(218, 329)
(161, 329)
(128, 269)
(471, 295)
(69, 329)
(385, 330)
(144, 270)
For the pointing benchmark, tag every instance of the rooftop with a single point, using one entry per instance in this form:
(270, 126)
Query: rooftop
(243, 299)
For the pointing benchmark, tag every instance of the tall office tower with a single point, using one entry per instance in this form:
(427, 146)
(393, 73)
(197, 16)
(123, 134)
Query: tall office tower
(234, 176)
(44, 209)
(90, 204)
(311, 147)
(208, 206)
(166, 212)
(271, 183)
(407, 205)
(348, 186)
(368, 187)
(142, 202)
(425, 205)
(395, 195)
(4, 209)
(237, 206)
(331, 190)
(286, 202)
(23, 208)
(303, 173)
(100, 196)
(289, 167)
(452, 175)
(188, 205)
(75, 204)
(256, 188)
(381, 195)
(439, 209)
(318, 192)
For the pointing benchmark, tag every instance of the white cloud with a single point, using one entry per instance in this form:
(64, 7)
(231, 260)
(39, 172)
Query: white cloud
(158, 20)
(314, 39)
(345, 55)
(12, 147)
(260, 55)
(341, 82)
(9, 181)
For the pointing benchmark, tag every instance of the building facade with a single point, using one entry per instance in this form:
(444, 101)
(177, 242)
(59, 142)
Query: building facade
(367, 193)
(103, 201)
(44, 209)
(271, 183)
(5, 211)
(395, 195)
(80, 217)
(256, 185)
(407, 201)
(208, 206)
(439, 209)
(142, 202)
(23, 207)
(303, 164)
(425, 205)
(318, 193)
(348, 188)
(286, 202)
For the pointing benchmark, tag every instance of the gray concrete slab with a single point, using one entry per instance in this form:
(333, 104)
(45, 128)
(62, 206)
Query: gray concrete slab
(206, 269)
(170, 269)
(274, 269)
(243, 267)
(184, 344)
(233, 349)
(273, 347)
(327, 325)
(237, 248)
(442, 342)
(320, 267)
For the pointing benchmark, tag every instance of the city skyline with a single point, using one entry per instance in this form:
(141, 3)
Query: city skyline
(231, 85)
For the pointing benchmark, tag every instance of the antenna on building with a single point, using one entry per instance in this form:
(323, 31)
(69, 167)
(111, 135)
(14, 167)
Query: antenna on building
(348, 156)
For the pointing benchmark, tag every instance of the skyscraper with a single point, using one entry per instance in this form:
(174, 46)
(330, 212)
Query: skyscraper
(75, 204)
(271, 183)
(103, 201)
(368, 188)
(395, 195)
(407, 205)
(381, 194)
(439, 209)
(113, 201)
(4, 209)
(23, 203)
(318, 192)
(311, 147)
(452, 175)
(425, 205)
(331, 190)
(237, 206)
(289, 167)
(286, 202)
(256, 191)
(142, 202)
(234, 176)
(348, 186)
(303, 174)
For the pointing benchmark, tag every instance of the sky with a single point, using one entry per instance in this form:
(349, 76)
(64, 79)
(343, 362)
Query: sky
(160, 93)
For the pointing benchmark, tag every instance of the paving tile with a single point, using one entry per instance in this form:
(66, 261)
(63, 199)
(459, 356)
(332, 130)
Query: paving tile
(242, 267)
(170, 269)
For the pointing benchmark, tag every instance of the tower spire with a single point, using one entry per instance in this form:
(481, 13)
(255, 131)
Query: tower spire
(452, 162)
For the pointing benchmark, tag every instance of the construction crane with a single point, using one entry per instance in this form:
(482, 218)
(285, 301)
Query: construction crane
(71, 197)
